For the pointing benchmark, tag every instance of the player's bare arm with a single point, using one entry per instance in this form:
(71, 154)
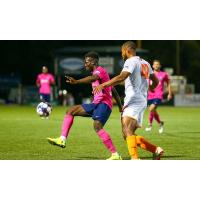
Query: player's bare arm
(169, 96)
(53, 82)
(38, 83)
(114, 81)
(117, 99)
(87, 79)
(154, 80)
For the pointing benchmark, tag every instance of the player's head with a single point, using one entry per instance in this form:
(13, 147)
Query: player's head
(156, 65)
(128, 50)
(44, 69)
(91, 60)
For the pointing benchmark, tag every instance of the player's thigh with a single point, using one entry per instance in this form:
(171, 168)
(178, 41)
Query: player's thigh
(129, 125)
(152, 107)
(101, 113)
(77, 110)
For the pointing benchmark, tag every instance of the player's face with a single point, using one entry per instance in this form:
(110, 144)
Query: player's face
(156, 66)
(89, 63)
(44, 70)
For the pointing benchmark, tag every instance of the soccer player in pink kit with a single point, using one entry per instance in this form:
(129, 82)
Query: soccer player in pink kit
(44, 82)
(155, 97)
(100, 109)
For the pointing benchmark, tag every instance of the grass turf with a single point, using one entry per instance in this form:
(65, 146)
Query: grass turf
(23, 135)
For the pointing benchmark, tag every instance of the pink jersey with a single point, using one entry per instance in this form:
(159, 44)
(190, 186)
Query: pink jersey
(45, 81)
(159, 90)
(105, 96)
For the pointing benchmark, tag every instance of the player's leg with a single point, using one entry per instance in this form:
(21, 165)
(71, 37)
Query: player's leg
(47, 98)
(129, 126)
(161, 123)
(152, 108)
(100, 116)
(157, 116)
(77, 110)
(106, 139)
(144, 144)
(41, 97)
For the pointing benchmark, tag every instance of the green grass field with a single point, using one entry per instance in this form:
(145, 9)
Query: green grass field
(23, 135)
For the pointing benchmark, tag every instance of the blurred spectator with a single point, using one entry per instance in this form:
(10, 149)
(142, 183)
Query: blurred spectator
(65, 98)
(44, 82)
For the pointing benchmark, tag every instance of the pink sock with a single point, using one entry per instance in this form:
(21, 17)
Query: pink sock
(67, 123)
(107, 141)
(151, 116)
(157, 118)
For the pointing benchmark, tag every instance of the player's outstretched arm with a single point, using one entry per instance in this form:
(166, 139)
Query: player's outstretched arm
(154, 80)
(87, 79)
(114, 81)
(117, 99)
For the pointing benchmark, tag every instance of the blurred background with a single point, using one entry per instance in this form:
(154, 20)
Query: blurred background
(22, 61)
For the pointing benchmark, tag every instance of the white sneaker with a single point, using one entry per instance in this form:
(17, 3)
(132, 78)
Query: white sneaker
(159, 152)
(148, 129)
(161, 128)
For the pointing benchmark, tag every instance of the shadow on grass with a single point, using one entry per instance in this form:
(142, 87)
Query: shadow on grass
(89, 158)
(150, 157)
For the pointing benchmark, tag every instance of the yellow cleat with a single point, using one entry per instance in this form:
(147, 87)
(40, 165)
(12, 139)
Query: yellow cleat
(57, 141)
(115, 156)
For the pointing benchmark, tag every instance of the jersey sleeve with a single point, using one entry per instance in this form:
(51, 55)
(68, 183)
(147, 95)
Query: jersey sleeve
(129, 66)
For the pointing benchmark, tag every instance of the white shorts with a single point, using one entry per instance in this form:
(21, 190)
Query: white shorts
(136, 112)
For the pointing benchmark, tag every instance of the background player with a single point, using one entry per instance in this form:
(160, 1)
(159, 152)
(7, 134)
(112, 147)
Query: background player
(155, 96)
(100, 109)
(44, 82)
(136, 73)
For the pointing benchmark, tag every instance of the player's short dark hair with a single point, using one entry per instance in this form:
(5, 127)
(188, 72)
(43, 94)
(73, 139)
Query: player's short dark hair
(92, 54)
(156, 60)
(129, 45)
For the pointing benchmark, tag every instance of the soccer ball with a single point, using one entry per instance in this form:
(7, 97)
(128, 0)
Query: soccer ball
(44, 109)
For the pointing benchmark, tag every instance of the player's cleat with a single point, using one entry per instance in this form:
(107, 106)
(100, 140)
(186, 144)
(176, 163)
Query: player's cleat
(161, 128)
(159, 152)
(57, 141)
(115, 156)
(148, 129)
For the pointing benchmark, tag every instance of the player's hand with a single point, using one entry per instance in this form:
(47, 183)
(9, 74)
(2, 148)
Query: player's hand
(98, 89)
(169, 97)
(71, 80)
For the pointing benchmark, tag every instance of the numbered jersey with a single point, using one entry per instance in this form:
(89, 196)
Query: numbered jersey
(136, 85)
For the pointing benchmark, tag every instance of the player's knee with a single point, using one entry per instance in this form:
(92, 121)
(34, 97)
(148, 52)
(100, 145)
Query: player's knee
(71, 111)
(127, 131)
(152, 109)
(97, 126)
